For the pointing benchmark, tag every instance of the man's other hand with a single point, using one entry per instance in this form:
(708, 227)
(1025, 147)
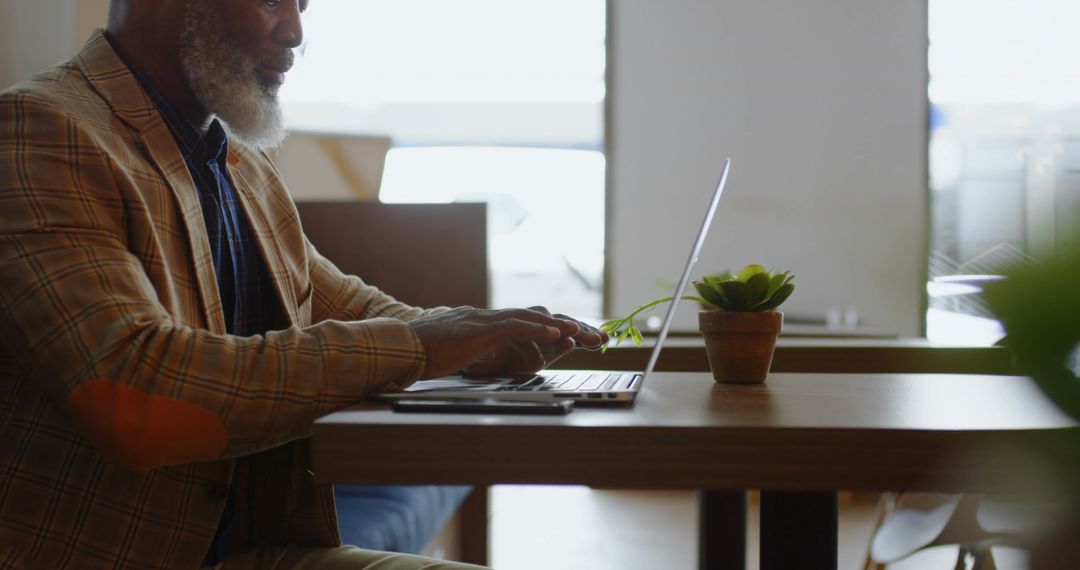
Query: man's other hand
(484, 342)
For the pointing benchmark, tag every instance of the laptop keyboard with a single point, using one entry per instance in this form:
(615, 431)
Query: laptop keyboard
(570, 383)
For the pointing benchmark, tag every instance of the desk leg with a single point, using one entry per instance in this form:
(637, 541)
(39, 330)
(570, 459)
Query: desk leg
(475, 522)
(722, 530)
(799, 530)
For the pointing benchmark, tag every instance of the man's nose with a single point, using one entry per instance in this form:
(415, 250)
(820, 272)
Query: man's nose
(290, 30)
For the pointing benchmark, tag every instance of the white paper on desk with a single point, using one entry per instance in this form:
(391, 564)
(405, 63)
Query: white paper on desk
(455, 383)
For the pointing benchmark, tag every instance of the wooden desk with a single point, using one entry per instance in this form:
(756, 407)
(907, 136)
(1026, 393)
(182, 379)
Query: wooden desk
(725, 524)
(687, 354)
(795, 433)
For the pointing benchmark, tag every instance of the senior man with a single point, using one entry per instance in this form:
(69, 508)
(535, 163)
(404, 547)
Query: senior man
(168, 333)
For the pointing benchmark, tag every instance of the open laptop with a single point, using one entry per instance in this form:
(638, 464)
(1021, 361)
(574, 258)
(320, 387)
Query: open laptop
(583, 386)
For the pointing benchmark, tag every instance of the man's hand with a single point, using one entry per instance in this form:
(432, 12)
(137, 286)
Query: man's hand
(484, 342)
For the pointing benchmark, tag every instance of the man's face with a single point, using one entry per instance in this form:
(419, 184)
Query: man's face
(235, 54)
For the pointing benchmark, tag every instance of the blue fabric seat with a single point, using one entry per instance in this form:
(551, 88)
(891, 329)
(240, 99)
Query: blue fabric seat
(395, 518)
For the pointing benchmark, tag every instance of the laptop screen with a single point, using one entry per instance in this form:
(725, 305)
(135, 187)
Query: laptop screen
(685, 279)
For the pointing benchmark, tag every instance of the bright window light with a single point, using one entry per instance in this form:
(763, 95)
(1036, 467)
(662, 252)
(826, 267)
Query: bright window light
(1004, 162)
(499, 101)
(468, 71)
(545, 211)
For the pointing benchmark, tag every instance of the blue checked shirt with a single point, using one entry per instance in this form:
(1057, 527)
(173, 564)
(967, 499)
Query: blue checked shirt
(247, 297)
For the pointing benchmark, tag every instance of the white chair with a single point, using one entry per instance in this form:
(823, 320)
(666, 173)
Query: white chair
(980, 527)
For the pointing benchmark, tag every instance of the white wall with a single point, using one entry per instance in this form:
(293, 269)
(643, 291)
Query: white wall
(91, 14)
(37, 34)
(821, 105)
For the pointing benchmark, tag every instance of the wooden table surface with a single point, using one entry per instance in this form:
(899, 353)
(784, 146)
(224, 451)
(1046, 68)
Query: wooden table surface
(687, 354)
(797, 432)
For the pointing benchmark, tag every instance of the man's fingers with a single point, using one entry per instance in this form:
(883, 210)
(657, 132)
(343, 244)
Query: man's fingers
(565, 344)
(557, 349)
(465, 338)
(529, 357)
(539, 315)
(587, 336)
(511, 330)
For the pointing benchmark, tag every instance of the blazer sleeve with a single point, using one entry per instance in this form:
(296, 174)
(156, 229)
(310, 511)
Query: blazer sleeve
(336, 295)
(80, 314)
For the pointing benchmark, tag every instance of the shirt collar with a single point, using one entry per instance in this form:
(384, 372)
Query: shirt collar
(211, 147)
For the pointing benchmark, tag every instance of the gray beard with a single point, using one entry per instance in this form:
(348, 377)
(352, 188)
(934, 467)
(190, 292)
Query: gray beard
(224, 80)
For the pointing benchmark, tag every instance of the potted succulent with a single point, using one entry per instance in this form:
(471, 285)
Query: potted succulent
(739, 321)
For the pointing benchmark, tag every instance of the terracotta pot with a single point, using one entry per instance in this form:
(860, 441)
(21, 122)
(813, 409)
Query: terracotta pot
(740, 345)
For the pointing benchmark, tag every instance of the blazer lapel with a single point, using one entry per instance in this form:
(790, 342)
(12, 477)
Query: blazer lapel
(113, 80)
(249, 182)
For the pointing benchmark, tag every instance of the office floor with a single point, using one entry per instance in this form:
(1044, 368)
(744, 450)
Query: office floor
(577, 528)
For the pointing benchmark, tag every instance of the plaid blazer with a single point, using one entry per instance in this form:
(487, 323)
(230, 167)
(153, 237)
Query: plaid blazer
(124, 406)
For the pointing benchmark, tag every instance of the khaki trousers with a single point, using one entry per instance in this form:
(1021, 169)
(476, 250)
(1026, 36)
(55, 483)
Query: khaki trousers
(265, 557)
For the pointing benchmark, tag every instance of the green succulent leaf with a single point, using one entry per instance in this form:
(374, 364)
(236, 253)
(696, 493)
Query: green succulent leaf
(735, 293)
(714, 281)
(781, 295)
(757, 289)
(713, 295)
(775, 282)
(749, 271)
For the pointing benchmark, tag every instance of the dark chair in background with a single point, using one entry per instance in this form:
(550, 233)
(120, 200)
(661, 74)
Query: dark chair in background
(426, 255)
(423, 254)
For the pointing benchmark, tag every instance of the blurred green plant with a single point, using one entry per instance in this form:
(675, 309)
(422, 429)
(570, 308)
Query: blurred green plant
(1039, 308)
(753, 288)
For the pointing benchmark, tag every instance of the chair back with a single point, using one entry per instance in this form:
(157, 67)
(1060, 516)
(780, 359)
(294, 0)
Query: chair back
(423, 254)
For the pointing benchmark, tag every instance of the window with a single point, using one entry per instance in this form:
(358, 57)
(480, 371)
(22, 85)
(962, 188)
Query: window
(486, 100)
(1004, 149)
